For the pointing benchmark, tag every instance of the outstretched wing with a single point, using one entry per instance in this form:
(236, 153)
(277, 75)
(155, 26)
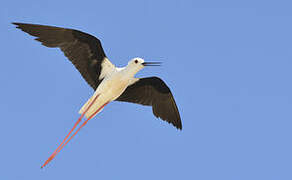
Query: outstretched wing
(82, 49)
(152, 91)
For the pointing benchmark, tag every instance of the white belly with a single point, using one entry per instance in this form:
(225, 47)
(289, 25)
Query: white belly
(109, 89)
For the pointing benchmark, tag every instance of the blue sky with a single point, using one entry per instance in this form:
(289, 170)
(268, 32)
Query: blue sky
(228, 64)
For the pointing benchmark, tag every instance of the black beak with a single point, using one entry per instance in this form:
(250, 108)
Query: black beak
(151, 63)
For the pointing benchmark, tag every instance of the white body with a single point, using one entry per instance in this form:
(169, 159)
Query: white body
(114, 83)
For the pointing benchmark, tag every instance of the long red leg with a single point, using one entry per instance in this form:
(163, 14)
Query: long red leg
(83, 124)
(75, 125)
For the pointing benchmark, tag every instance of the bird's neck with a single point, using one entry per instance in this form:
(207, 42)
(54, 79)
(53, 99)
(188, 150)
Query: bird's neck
(129, 71)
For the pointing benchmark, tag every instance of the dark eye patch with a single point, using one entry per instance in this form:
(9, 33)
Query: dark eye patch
(136, 61)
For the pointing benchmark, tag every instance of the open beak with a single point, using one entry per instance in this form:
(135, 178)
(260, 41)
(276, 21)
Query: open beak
(151, 63)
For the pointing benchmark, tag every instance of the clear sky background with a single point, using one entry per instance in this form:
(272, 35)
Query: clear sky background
(228, 64)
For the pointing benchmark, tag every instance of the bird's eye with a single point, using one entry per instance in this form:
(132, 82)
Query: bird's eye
(136, 61)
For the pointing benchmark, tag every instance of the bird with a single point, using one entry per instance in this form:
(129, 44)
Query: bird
(110, 83)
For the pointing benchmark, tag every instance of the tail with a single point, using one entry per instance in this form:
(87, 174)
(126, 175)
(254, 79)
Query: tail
(95, 105)
(83, 108)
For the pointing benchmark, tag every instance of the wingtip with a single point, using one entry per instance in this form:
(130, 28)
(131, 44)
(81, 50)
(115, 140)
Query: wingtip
(177, 123)
(16, 24)
(179, 127)
(19, 25)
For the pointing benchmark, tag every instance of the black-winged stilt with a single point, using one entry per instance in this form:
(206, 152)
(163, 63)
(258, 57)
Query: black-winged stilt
(109, 82)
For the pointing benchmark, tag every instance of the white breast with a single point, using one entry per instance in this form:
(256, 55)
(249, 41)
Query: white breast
(113, 85)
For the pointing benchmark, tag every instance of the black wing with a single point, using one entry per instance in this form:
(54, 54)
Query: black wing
(152, 91)
(82, 49)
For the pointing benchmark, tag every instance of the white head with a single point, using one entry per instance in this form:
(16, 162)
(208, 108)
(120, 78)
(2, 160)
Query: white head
(136, 64)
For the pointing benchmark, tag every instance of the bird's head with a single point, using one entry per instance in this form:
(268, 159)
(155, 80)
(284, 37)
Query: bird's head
(136, 64)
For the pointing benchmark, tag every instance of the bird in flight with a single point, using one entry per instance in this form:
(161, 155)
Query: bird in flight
(109, 82)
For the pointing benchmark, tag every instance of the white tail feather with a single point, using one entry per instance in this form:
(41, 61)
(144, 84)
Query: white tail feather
(83, 108)
(97, 104)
